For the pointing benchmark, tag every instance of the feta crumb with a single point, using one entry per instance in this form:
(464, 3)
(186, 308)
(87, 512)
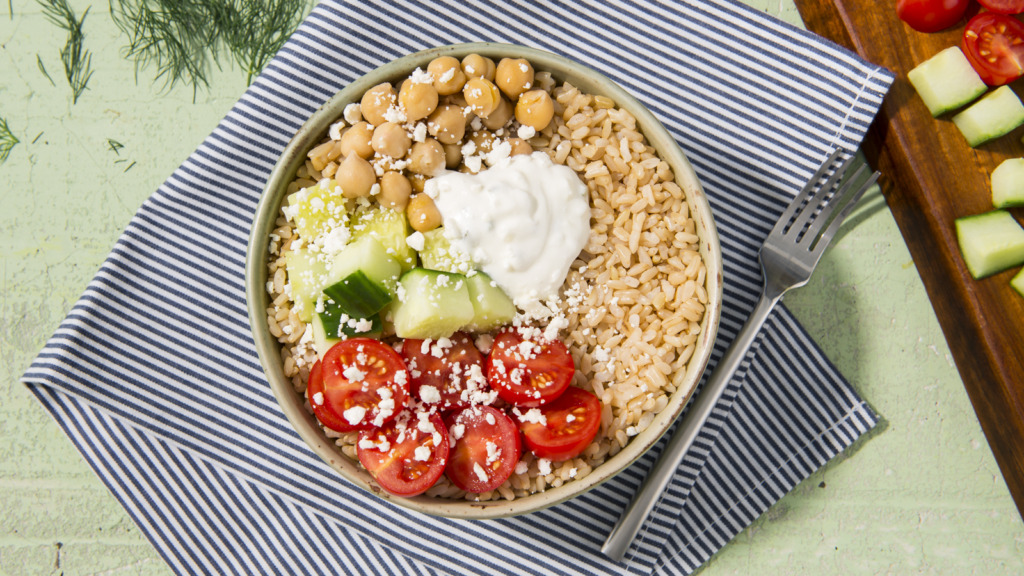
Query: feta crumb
(429, 394)
(335, 130)
(353, 113)
(481, 474)
(354, 374)
(416, 241)
(544, 466)
(354, 415)
(526, 132)
(522, 468)
(422, 453)
(318, 398)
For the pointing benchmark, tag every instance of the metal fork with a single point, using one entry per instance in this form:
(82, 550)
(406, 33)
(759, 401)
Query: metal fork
(788, 256)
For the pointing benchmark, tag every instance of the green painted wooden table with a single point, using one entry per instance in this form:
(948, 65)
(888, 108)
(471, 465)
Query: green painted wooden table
(921, 494)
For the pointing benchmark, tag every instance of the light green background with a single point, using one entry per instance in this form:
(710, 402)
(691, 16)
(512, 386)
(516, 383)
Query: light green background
(919, 495)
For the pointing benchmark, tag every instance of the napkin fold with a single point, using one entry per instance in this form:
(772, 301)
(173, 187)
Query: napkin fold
(155, 378)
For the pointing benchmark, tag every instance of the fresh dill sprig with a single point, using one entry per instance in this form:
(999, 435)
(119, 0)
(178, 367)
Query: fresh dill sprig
(7, 140)
(77, 60)
(183, 39)
(42, 69)
(114, 146)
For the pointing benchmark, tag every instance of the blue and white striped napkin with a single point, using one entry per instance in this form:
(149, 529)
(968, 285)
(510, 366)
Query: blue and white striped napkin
(154, 374)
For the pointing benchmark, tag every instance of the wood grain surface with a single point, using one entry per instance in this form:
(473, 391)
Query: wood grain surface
(931, 177)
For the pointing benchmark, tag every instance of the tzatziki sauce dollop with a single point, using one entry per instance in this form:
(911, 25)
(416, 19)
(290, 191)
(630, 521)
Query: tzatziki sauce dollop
(523, 222)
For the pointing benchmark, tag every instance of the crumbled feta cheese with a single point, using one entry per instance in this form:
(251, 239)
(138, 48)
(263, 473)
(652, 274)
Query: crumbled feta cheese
(318, 399)
(481, 474)
(416, 241)
(526, 132)
(421, 76)
(422, 453)
(522, 468)
(335, 130)
(429, 394)
(353, 113)
(353, 374)
(354, 415)
(544, 466)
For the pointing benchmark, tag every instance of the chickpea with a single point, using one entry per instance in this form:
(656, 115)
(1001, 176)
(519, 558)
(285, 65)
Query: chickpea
(513, 76)
(394, 190)
(520, 146)
(355, 176)
(477, 66)
(457, 99)
(391, 140)
(357, 140)
(423, 214)
(417, 99)
(535, 109)
(447, 124)
(418, 183)
(482, 96)
(427, 157)
(452, 156)
(500, 116)
(448, 75)
(482, 142)
(376, 102)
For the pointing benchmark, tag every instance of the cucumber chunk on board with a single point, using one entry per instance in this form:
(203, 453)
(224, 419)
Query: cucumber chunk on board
(990, 242)
(1018, 282)
(1008, 183)
(995, 115)
(946, 81)
(491, 306)
(431, 304)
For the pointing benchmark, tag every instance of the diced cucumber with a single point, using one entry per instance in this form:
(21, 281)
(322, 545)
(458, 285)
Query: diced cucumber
(358, 296)
(993, 116)
(491, 306)
(438, 254)
(366, 254)
(946, 81)
(1008, 183)
(431, 304)
(390, 228)
(322, 342)
(317, 210)
(1018, 282)
(306, 276)
(990, 242)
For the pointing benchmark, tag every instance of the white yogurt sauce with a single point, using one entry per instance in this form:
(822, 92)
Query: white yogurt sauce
(522, 221)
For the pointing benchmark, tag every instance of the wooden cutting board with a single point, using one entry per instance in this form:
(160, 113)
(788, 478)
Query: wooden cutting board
(930, 177)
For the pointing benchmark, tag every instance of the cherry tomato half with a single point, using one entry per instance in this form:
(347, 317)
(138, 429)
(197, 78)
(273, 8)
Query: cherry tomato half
(931, 15)
(453, 368)
(527, 372)
(364, 384)
(994, 45)
(487, 448)
(568, 427)
(406, 456)
(1003, 6)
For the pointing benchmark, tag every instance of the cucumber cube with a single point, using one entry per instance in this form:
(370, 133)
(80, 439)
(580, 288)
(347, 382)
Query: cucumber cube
(946, 81)
(431, 304)
(990, 242)
(491, 306)
(390, 228)
(438, 254)
(369, 256)
(993, 116)
(322, 342)
(306, 275)
(1008, 183)
(1018, 282)
(317, 210)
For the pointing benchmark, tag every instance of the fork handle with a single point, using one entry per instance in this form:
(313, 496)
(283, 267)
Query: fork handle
(657, 480)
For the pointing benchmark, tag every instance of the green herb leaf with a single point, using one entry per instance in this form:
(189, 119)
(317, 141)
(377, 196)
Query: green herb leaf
(42, 69)
(183, 38)
(114, 146)
(77, 61)
(7, 140)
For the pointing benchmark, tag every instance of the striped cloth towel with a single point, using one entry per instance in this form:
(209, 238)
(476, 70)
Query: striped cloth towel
(155, 378)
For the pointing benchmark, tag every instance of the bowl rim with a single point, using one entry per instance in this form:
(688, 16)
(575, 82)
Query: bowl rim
(315, 128)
